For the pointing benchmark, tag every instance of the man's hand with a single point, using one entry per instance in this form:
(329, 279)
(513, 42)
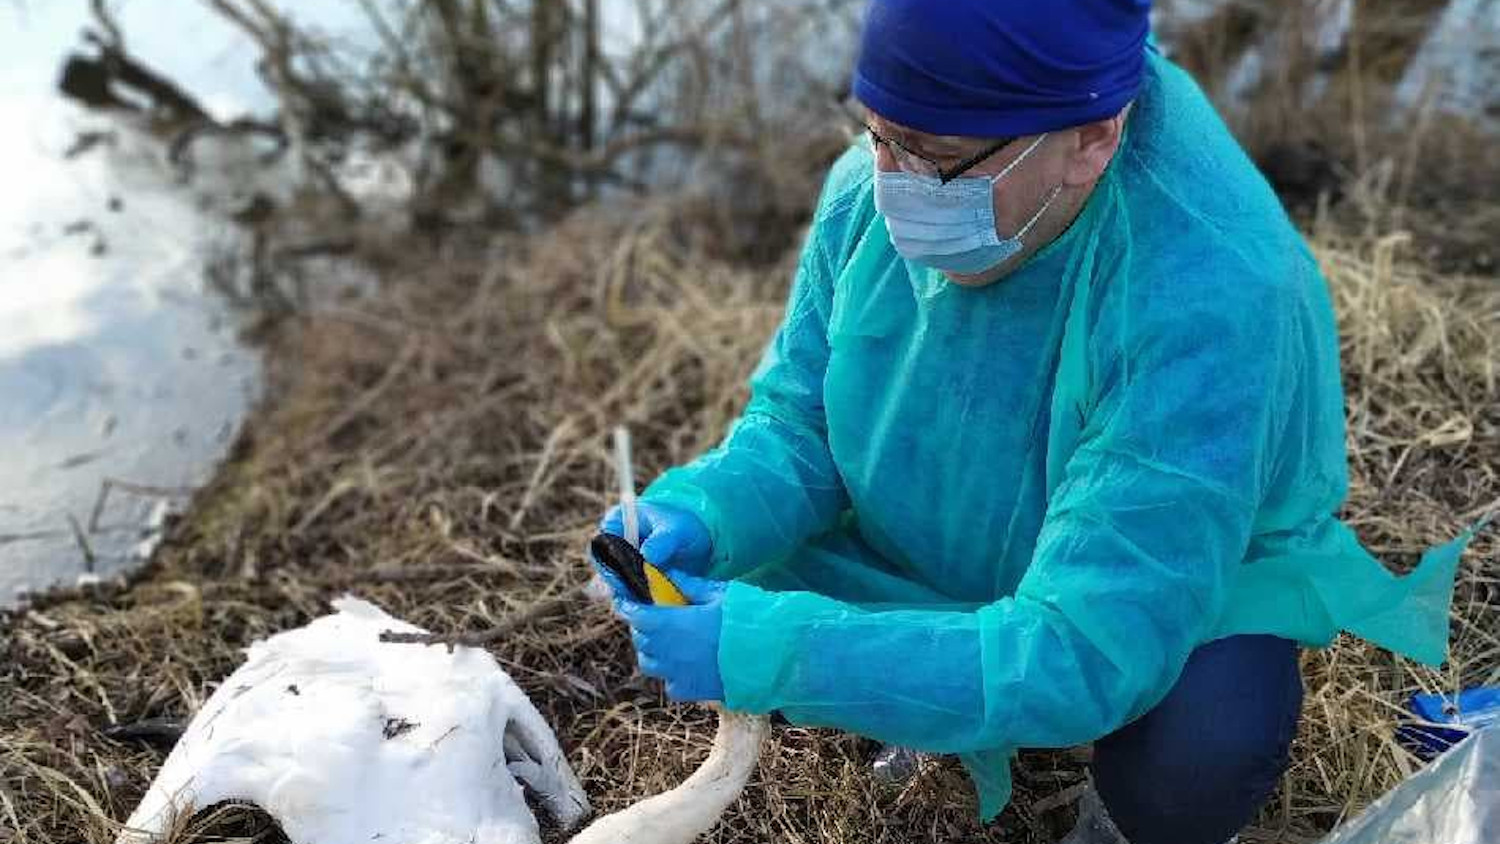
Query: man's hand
(671, 538)
(680, 645)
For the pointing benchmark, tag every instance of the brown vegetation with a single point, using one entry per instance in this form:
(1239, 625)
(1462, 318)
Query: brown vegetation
(441, 449)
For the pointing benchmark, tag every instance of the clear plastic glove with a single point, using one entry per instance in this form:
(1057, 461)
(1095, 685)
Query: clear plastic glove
(1094, 825)
(616, 586)
(680, 645)
(671, 538)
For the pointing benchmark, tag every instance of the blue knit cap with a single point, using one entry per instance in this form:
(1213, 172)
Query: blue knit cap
(1000, 68)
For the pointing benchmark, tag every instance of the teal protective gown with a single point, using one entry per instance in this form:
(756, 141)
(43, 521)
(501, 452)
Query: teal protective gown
(972, 520)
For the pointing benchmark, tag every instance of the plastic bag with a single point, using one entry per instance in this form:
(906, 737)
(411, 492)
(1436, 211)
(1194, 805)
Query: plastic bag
(1455, 800)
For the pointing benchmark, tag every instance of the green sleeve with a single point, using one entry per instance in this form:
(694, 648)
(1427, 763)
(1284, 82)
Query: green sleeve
(771, 484)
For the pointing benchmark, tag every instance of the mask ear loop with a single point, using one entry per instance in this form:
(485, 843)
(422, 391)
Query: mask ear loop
(1051, 197)
(1039, 212)
(1020, 158)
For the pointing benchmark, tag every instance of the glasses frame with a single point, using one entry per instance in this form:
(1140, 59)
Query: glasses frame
(944, 176)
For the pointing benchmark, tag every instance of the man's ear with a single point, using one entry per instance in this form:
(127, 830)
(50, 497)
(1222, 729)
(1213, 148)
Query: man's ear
(1093, 147)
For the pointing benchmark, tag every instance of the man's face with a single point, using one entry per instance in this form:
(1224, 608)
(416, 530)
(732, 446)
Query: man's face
(1016, 198)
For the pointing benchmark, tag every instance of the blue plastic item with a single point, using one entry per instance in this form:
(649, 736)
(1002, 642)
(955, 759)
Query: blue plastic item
(1469, 710)
(680, 645)
(966, 520)
(1455, 800)
(670, 536)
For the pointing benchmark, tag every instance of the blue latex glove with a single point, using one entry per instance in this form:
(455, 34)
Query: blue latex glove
(671, 538)
(680, 645)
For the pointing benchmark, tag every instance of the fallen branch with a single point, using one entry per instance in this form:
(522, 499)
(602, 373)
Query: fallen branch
(108, 485)
(158, 732)
(91, 81)
(89, 560)
(544, 608)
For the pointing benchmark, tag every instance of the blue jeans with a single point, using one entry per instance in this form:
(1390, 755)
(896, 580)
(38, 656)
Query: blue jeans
(1197, 768)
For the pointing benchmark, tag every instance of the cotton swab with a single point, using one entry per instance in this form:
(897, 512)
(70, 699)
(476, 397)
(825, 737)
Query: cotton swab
(626, 477)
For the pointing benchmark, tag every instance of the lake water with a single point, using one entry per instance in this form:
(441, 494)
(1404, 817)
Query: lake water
(122, 381)
(116, 367)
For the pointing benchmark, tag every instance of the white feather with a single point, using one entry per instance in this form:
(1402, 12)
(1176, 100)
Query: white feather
(344, 739)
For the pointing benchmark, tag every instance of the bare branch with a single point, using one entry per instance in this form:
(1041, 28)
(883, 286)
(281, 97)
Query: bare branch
(106, 21)
(533, 613)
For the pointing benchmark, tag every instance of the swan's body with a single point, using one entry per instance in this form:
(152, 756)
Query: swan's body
(343, 739)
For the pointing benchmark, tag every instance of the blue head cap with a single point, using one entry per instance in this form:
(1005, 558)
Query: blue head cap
(1000, 68)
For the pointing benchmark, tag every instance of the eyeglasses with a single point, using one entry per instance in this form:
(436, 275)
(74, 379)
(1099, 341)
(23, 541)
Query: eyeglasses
(911, 161)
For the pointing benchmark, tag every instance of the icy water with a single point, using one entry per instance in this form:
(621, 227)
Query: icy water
(118, 370)
(122, 381)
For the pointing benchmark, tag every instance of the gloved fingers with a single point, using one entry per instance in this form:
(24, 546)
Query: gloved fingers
(698, 590)
(644, 618)
(616, 586)
(627, 610)
(626, 606)
(661, 546)
(614, 520)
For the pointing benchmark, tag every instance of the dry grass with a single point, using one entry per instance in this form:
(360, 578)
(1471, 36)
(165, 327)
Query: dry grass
(1421, 360)
(441, 450)
(1326, 127)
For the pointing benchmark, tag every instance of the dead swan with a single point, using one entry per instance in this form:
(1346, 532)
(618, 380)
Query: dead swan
(343, 739)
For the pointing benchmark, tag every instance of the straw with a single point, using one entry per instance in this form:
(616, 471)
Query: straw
(627, 486)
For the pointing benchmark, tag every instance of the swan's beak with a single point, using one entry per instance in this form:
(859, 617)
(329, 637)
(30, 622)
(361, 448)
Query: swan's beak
(663, 590)
(647, 583)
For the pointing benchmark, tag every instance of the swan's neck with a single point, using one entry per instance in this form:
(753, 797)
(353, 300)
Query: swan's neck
(681, 815)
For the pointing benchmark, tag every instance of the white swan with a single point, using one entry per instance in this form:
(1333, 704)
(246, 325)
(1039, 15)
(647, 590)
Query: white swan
(344, 739)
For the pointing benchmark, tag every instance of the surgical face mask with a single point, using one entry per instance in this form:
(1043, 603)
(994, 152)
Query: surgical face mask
(950, 227)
